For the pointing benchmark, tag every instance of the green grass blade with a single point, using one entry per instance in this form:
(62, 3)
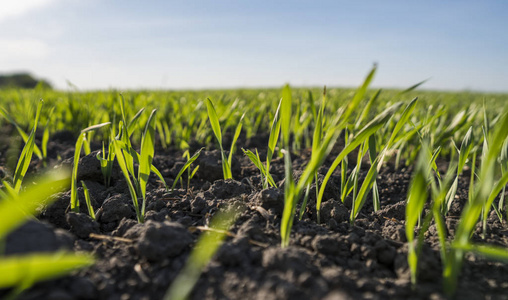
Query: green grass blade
(134, 121)
(120, 158)
(465, 149)
(214, 120)
(238, 130)
(274, 136)
(14, 210)
(25, 270)
(366, 109)
(87, 200)
(364, 189)
(74, 181)
(286, 114)
(185, 166)
(360, 93)
(417, 196)
(26, 153)
(146, 156)
(208, 244)
(409, 89)
(358, 139)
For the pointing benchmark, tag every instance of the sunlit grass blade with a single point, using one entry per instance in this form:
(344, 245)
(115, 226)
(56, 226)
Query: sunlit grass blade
(465, 149)
(358, 139)
(77, 154)
(366, 109)
(238, 130)
(362, 193)
(417, 196)
(286, 114)
(21, 132)
(185, 166)
(146, 157)
(472, 211)
(274, 136)
(120, 158)
(413, 87)
(88, 201)
(26, 153)
(360, 93)
(214, 120)
(208, 244)
(134, 121)
(15, 209)
(25, 270)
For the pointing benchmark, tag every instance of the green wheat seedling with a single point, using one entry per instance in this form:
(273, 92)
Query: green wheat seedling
(25, 270)
(342, 123)
(417, 197)
(376, 164)
(266, 177)
(214, 121)
(186, 166)
(452, 255)
(22, 133)
(25, 157)
(293, 191)
(45, 138)
(206, 247)
(106, 161)
(77, 155)
(88, 201)
(359, 138)
(126, 156)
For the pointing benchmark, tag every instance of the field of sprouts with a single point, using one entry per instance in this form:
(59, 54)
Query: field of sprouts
(283, 193)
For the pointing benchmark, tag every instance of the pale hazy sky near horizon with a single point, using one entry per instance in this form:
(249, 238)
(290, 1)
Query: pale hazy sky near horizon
(226, 44)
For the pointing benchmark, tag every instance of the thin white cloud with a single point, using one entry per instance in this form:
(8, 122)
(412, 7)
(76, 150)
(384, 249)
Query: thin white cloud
(18, 8)
(15, 49)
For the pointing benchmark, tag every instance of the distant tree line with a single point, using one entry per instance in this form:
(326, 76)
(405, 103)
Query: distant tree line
(22, 80)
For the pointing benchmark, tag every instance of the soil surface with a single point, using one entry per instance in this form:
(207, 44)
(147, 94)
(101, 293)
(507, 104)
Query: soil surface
(331, 260)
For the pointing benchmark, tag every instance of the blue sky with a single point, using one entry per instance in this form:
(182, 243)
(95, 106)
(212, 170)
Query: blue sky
(215, 44)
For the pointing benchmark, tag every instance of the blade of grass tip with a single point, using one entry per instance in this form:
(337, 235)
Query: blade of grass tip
(274, 136)
(26, 153)
(366, 109)
(208, 244)
(13, 211)
(413, 87)
(146, 156)
(465, 149)
(134, 121)
(406, 114)
(87, 200)
(214, 120)
(360, 93)
(235, 138)
(286, 115)
(185, 166)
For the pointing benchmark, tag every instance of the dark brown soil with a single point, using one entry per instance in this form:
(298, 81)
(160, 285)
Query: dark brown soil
(332, 260)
